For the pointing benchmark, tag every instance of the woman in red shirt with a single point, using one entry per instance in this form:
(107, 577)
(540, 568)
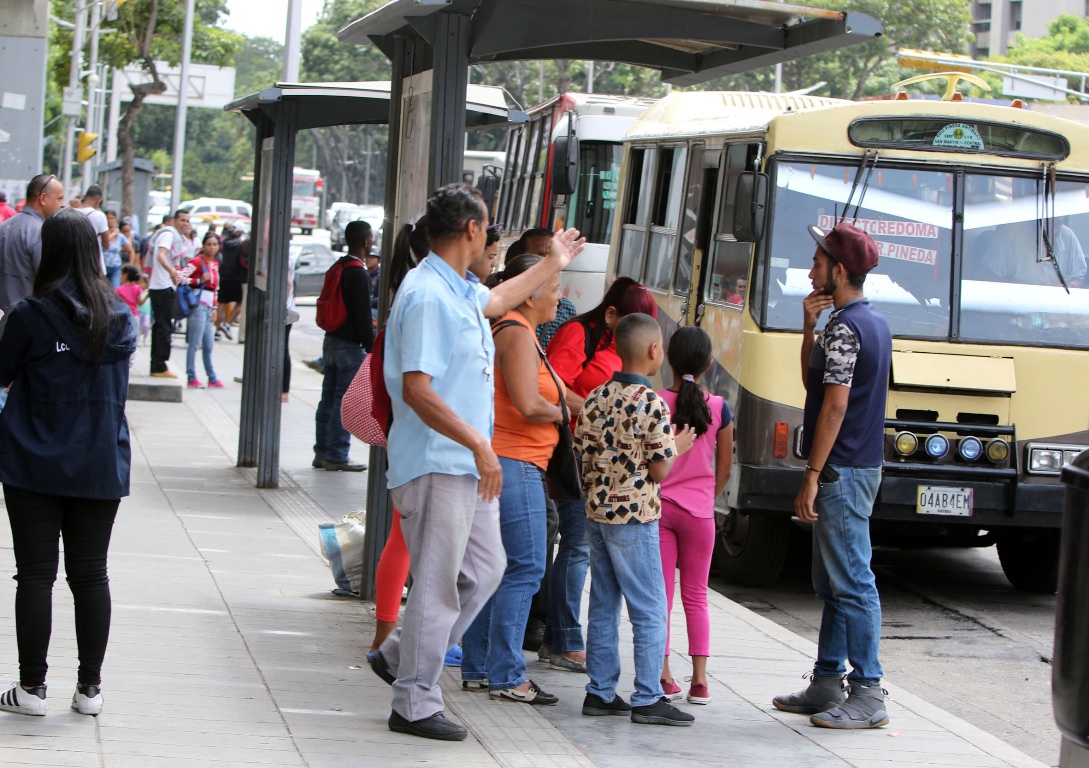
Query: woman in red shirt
(200, 329)
(583, 354)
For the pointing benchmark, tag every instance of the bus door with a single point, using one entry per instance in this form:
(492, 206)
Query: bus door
(722, 278)
(696, 229)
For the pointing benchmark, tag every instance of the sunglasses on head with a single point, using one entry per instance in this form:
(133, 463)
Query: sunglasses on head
(42, 186)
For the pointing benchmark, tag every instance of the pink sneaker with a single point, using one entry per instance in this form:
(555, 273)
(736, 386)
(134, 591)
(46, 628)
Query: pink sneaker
(671, 690)
(699, 693)
(195, 384)
(217, 384)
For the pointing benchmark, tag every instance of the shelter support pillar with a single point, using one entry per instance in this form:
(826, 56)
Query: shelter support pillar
(379, 502)
(449, 92)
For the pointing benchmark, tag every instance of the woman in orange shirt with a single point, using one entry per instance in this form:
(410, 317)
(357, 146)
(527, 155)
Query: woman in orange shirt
(527, 410)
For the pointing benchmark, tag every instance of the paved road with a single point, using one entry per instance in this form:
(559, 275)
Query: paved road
(954, 632)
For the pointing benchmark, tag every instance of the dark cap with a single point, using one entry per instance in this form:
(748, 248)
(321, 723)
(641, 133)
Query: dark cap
(848, 245)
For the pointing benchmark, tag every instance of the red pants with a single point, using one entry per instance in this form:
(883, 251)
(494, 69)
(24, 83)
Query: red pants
(392, 574)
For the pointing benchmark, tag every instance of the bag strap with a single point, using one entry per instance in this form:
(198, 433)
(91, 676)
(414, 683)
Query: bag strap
(544, 358)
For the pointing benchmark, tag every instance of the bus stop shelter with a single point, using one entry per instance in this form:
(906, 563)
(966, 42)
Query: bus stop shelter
(278, 114)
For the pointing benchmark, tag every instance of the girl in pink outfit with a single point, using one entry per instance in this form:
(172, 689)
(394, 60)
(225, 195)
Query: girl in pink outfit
(687, 528)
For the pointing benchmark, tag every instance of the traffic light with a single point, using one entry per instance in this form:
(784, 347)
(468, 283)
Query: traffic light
(85, 151)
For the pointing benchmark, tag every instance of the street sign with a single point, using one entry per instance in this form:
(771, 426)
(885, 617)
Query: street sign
(72, 102)
(1040, 88)
(211, 87)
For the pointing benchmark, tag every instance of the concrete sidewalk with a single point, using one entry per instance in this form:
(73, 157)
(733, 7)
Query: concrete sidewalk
(228, 648)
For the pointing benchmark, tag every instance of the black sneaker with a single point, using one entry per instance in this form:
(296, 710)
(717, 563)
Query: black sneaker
(661, 712)
(434, 727)
(533, 696)
(381, 668)
(318, 463)
(343, 466)
(595, 706)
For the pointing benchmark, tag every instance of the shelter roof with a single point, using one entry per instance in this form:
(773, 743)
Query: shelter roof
(365, 103)
(688, 41)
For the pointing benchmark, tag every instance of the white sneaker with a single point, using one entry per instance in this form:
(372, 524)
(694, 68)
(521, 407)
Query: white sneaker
(22, 702)
(88, 701)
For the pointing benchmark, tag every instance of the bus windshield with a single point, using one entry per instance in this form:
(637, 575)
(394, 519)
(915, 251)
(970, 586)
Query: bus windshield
(305, 187)
(1009, 292)
(596, 190)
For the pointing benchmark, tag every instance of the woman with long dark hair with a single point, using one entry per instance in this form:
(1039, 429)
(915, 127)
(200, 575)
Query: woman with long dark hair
(583, 354)
(687, 528)
(64, 452)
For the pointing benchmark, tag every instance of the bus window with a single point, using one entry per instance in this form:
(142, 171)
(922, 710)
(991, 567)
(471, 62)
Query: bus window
(727, 282)
(528, 155)
(596, 189)
(696, 219)
(1010, 291)
(908, 212)
(669, 189)
(539, 161)
(511, 175)
(636, 213)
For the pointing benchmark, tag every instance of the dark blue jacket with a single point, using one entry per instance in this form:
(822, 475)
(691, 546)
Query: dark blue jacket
(63, 430)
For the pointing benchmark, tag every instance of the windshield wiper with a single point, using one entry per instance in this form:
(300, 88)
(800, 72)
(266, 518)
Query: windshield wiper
(869, 162)
(1049, 189)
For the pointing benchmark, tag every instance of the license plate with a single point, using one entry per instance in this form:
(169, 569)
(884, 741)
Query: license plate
(942, 500)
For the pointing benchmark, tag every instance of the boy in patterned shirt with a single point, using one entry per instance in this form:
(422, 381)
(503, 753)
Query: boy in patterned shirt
(628, 448)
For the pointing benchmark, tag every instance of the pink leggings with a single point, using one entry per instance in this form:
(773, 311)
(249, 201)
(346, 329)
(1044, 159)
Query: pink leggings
(688, 541)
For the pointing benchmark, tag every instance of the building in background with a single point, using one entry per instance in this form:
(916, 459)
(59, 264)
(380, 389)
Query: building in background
(995, 23)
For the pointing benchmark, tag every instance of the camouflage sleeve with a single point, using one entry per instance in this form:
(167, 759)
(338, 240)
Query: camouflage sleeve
(840, 354)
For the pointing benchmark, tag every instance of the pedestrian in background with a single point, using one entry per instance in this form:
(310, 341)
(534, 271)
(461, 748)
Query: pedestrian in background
(64, 453)
(845, 370)
(6, 211)
(115, 251)
(21, 243)
(347, 290)
(90, 206)
(583, 354)
(232, 275)
(166, 250)
(687, 528)
(199, 328)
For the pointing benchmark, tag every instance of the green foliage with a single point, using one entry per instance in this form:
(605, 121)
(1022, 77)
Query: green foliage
(1065, 47)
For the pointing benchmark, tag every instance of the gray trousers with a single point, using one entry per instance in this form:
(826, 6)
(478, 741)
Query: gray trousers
(457, 561)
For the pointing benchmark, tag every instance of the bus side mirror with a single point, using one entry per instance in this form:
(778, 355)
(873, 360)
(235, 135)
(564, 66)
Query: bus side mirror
(750, 206)
(488, 188)
(565, 164)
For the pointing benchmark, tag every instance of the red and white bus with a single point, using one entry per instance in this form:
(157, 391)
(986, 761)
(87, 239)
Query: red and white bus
(563, 169)
(306, 199)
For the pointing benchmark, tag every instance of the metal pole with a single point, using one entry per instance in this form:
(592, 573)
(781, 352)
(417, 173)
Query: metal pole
(92, 86)
(590, 78)
(292, 41)
(367, 166)
(779, 78)
(115, 117)
(179, 120)
(76, 66)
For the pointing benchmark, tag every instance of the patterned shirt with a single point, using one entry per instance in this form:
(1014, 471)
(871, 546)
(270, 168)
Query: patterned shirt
(623, 428)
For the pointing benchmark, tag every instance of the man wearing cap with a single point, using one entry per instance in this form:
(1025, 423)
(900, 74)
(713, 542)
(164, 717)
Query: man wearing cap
(845, 370)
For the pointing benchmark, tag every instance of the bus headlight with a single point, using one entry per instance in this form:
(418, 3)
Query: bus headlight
(970, 448)
(905, 444)
(1045, 460)
(998, 450)
(937, 446)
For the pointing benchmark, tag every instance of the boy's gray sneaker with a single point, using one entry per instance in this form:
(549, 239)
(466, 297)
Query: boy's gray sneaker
(823, 693)
(864, 708)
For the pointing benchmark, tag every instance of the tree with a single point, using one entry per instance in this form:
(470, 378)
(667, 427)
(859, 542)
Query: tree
(145, 33)
(1066, 47)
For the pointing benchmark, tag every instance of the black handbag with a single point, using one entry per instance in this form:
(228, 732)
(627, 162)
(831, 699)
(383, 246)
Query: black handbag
(564, 472)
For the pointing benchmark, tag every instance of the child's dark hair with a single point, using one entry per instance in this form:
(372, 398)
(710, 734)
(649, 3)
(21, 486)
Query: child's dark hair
(131, 272)
(689, 354)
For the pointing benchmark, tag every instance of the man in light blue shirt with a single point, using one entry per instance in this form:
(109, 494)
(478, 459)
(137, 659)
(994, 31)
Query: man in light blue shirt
(443, 475)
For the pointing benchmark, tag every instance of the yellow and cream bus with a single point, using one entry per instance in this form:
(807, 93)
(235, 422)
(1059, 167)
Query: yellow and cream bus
(980, 212)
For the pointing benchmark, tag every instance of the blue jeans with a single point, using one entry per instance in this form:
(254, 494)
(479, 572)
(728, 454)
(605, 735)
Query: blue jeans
(625, 561)
(113, 274)
(563, 631)
(340, 361)
(493, 643)
(851, 622)
(201, 333)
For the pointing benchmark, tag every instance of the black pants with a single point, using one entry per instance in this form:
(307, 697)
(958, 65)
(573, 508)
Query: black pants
(37, 523)
(538, 609)
(162, 314)
(287, 361)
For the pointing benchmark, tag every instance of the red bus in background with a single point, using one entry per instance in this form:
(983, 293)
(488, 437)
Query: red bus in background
(563, 169)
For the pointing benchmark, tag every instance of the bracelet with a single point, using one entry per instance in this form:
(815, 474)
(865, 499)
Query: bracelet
(812, 469)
